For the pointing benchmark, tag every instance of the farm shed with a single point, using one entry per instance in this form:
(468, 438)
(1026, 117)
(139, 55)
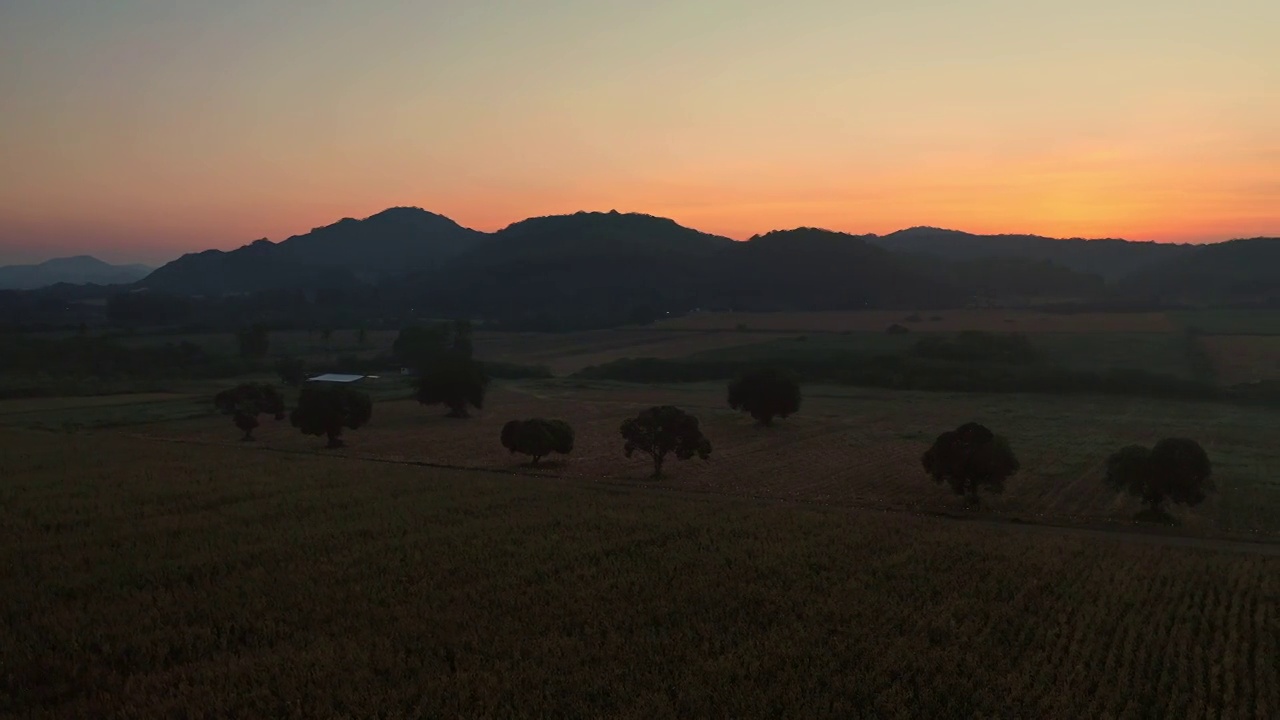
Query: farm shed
(337, 378)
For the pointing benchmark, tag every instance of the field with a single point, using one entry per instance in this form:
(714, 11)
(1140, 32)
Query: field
(847, 447)
(159, 567)
(153, 579)
(1244, 358)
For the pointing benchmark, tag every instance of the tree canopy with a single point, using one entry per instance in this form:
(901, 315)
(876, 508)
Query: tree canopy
(327, 408)
(253, 342)
(765, 394)
(292, 371)
(455, 381)
(970, 458)
(1176, 469)
(416, 346)
(537, 437)
(661, 430)
(245, 402)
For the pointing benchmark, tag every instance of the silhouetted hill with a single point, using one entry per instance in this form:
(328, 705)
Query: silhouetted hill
(1110, 258)
(595, 269)
(1239, 271)
(78, 270)
(813, 269)
(585, 263)
(346, 253)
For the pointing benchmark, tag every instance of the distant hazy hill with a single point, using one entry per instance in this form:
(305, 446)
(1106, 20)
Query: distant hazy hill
(1110, 258)
(1238, 271)
(78, 270)
(348, 252)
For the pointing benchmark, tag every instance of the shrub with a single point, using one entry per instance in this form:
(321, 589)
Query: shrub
(327, 408)
(1176, 469)
(969, 458)
(244, 403)
(537, 438)
(765, 394)
(659, 431)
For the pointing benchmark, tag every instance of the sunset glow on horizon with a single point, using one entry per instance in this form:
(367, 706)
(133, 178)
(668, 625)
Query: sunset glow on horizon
(144, 129)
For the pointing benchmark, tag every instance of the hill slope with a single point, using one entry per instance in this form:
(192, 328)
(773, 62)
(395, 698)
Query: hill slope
(1110, 258)
(78, 270)
(348, 252)
(581, 264)
(1239, 271)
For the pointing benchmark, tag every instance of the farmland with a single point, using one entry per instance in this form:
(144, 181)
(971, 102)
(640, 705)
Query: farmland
(846, 447)
(161, 567)
(154, 579)
(1245, 358)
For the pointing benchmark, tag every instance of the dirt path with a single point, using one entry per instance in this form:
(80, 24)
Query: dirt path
(1264, 545)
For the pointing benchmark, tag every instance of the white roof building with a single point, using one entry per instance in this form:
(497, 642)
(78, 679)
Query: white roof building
(336, 378)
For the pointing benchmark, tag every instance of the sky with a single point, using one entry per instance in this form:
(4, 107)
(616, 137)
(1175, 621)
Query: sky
(137, 130)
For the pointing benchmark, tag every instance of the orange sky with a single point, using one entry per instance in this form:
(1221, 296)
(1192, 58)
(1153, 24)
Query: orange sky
(142, 129)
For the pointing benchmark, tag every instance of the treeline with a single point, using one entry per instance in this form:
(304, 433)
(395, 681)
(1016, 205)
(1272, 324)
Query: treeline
(970, 361)
(32, 366)
(907, 373)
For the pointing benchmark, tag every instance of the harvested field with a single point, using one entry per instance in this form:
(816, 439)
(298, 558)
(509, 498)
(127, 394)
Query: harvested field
(1241, 359)
(164, 580)
(845, 447)
(950, 321)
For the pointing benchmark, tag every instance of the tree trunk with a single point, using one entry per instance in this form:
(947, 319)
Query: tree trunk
(248, 436)
(534, 462)
(458, 411)
(334, 441)
(657, 466)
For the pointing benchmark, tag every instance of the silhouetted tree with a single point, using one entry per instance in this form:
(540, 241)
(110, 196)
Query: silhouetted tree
(896, 329)
(968, 458)
(1176, 469)
(659, 431)
(455, 381)
(292, 371)
(462, 344)
(362, 337)
(416, 346)
(254, 342)
(327, 408)
(244, 403)
(537, 438)
(765, 394)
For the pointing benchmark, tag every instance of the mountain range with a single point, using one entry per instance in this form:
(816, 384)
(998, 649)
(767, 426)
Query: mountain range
(596, 269)
(78, 270)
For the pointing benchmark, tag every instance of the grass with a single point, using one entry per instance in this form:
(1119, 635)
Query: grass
(1244, 358)
(1162, 353)
(1230, 321)
(155, 579)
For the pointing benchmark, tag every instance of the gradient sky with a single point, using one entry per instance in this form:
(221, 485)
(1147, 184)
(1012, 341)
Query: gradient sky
(142, 129)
